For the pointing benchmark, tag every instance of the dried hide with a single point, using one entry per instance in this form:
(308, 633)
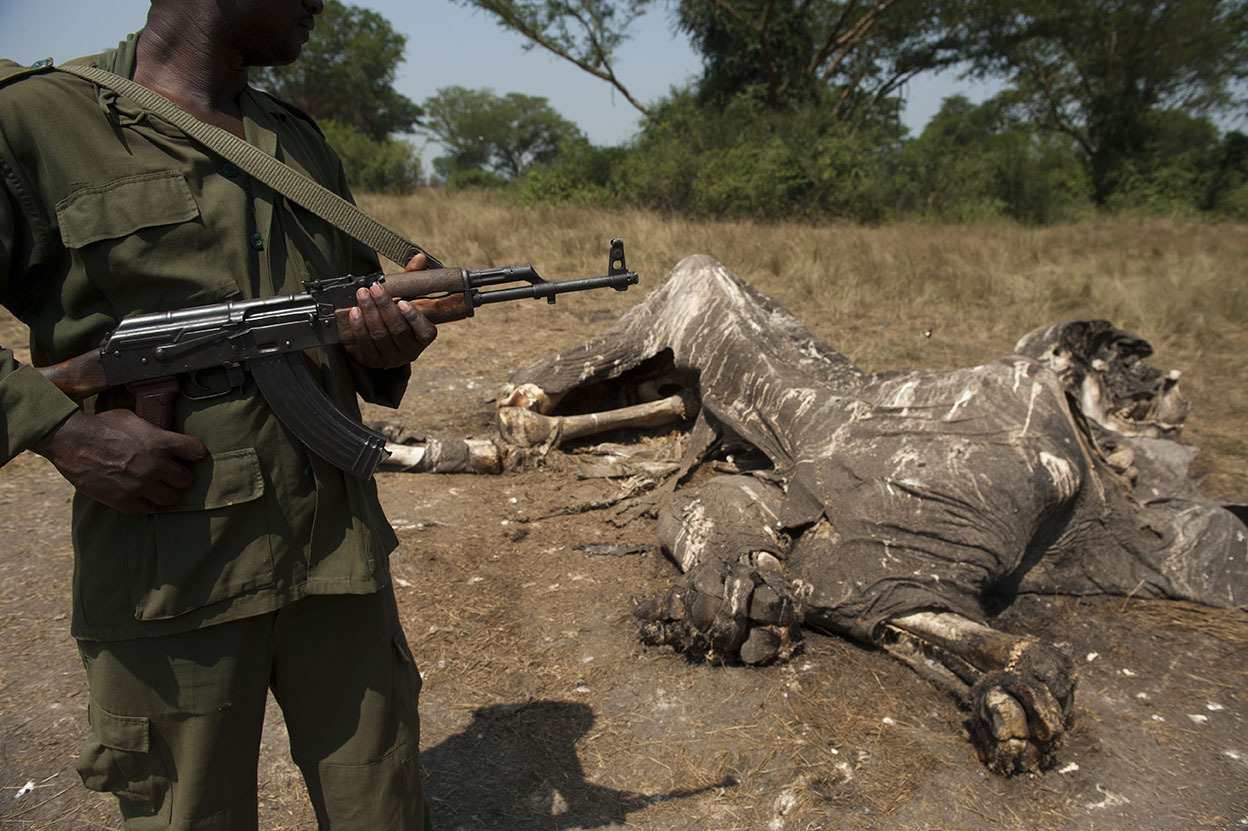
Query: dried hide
(894, 507)
(932, 490)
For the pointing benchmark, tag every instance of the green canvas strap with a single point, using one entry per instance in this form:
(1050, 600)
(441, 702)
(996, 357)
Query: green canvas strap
(287, 181)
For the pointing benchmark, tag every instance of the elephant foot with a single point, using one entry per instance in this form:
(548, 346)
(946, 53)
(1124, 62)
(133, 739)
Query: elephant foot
(1018, 714)
(724, 612)
(1019, 690)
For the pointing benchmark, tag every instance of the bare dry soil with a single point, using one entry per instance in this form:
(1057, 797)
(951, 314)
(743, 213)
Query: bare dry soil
(541, 709)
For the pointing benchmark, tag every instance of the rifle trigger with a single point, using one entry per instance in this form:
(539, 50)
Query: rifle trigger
(206, 383)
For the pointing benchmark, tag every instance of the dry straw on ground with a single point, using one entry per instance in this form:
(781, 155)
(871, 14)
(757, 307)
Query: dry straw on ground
(874, 292)
(540, 708)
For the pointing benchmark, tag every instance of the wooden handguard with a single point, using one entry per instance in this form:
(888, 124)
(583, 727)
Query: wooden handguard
(80, 377)
(432, 282)
(438, 310)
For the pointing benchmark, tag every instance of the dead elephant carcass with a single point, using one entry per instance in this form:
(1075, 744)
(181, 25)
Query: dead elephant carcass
(892, 507)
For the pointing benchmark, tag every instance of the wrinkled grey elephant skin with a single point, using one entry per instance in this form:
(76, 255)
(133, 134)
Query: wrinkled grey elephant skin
(917, 490)
(896, 506)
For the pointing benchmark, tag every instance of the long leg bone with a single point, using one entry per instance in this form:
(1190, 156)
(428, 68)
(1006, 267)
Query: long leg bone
(444, 456)
(524, 428)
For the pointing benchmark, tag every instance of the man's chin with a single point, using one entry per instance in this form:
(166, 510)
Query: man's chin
(283, 59)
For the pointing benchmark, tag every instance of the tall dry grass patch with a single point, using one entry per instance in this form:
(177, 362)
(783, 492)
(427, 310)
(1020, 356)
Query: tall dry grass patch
(877, 292)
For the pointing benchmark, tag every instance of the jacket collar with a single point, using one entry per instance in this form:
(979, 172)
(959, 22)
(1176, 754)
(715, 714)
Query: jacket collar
(119, 61)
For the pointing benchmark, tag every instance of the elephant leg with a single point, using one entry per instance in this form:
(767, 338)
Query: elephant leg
(1019, 690)
(734, 601)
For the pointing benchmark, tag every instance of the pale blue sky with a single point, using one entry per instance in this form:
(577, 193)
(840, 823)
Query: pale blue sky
(447, 45)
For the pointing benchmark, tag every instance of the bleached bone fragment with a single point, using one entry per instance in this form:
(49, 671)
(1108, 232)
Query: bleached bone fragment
(444, 456)
(524, 428)
(528, 396)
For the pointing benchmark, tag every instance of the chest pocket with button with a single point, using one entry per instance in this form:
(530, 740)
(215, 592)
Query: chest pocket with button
(142, 241)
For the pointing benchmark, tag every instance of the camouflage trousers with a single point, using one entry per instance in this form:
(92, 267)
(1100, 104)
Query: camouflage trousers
(176, 720)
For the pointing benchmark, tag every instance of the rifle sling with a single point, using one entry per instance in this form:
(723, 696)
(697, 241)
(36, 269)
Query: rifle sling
(284, 380)
(284, 179)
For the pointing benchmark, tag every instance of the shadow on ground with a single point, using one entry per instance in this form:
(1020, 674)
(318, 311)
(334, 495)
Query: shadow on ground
(516, 766)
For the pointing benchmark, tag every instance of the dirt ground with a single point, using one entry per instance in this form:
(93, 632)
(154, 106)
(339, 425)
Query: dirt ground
(542, 710)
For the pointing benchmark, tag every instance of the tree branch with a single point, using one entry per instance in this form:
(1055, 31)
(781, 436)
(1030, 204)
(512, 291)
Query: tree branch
(507, 13)
(1041, 75)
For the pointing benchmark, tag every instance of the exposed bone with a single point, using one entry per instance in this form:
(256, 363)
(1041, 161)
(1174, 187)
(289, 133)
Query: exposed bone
(1019, 705)
(624, 469)
(1115, 389)
(524, 428)
(529, 396)
(892, 504)
(610, 453)
(444, 456)
(981, 646)
(919, 656)
(1008, 719)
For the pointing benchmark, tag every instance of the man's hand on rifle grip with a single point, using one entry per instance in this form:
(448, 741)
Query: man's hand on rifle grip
(117, 458)
(388, 333)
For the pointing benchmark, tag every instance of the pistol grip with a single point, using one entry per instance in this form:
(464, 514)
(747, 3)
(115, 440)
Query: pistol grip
(153, 400)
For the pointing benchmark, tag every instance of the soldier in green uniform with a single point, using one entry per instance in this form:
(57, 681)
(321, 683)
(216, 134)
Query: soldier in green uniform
(220, 559)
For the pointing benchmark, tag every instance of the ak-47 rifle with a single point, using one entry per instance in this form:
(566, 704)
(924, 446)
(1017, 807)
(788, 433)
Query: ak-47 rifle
(146, 353)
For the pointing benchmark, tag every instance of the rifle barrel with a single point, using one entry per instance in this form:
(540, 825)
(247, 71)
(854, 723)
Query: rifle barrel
(619, 282)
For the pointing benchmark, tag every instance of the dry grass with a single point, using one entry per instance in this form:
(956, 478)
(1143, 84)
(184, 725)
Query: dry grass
(537, 693)
(874, 292)
(1153, 614)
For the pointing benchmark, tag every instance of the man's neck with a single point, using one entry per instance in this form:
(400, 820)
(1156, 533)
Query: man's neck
(173, 58)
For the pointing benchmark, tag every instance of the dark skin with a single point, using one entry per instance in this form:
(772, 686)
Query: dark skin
(197, 55)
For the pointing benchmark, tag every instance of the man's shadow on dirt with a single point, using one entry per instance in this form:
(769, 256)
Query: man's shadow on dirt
(515, 766)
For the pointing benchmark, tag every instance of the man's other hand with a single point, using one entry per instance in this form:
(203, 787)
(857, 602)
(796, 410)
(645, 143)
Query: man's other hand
(388, 333)
(121, 460)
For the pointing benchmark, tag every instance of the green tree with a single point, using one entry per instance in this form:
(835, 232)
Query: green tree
(981, 162)
(585, 32)
(1098, 70)
(347, 73)
(1228, 189)
(850, 56)
(745, 160)
(389, 165)
(862, 51)
(502, 136)
(1172, 168)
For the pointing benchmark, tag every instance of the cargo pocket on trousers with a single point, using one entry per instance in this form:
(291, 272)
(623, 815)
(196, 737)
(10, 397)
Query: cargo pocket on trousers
(407, 685)
(211, 546)
(119, 759)
(408, 663)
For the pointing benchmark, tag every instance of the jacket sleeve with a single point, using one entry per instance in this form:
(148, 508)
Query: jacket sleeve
(30, 406)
